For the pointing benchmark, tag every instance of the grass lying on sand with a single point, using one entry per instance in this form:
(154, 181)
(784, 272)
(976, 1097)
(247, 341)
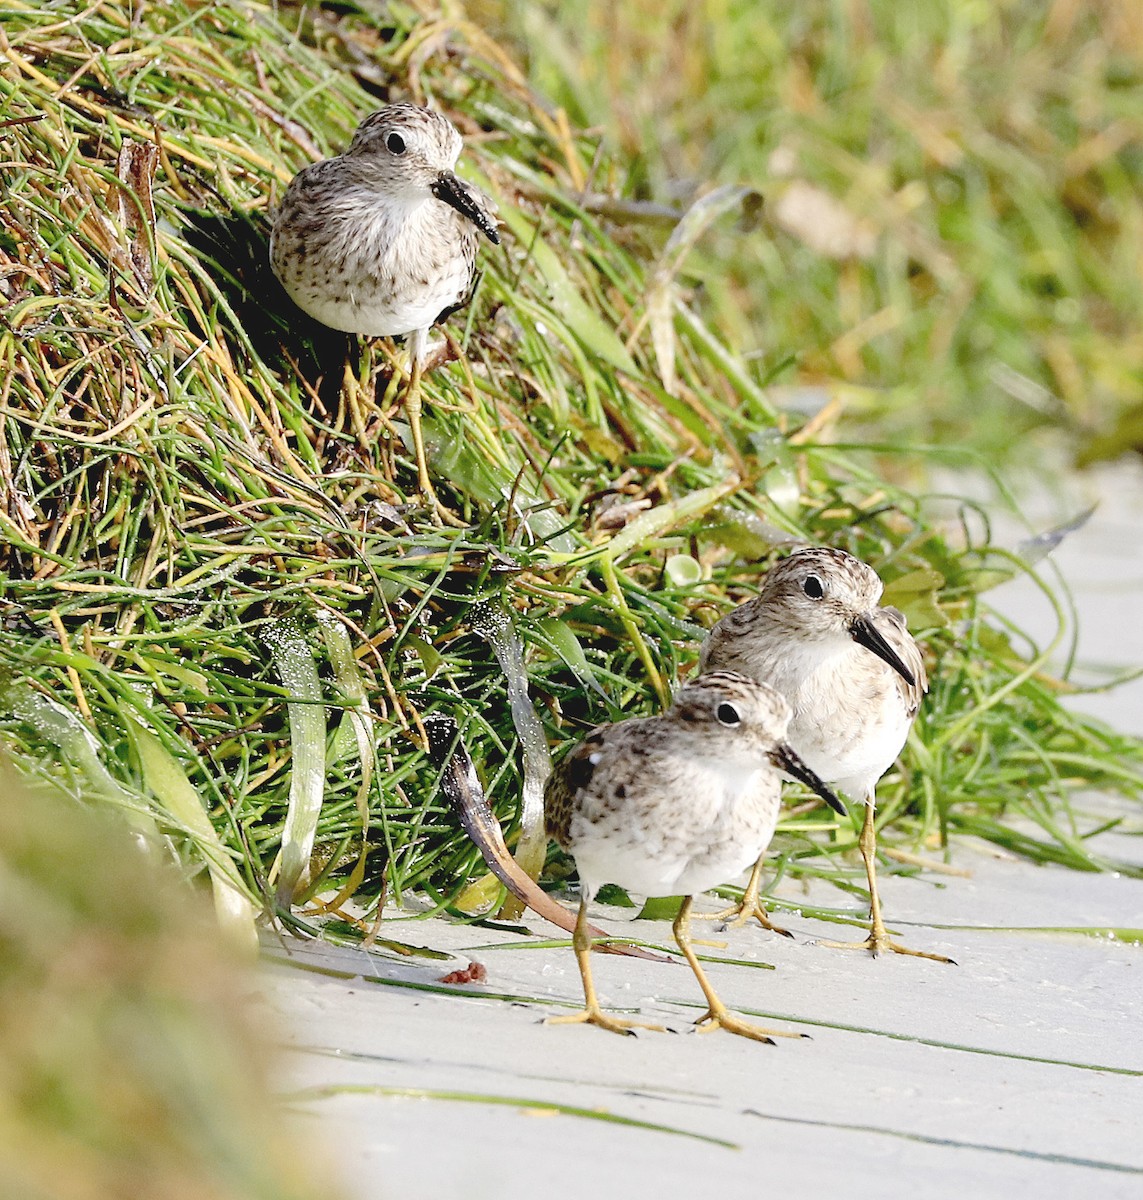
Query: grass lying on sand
(221, 595)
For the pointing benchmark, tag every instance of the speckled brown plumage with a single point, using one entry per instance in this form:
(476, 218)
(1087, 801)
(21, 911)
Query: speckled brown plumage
(381, 240)
(679, 803)
(851, 671)
(673, 805)
(851, 708)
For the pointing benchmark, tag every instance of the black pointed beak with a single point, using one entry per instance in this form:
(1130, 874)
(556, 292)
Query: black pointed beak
(866, 634)
(457, 194)
(786, 760)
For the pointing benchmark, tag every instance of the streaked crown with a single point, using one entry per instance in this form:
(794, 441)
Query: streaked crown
(724, 698)
(820, 586)
(412, 140)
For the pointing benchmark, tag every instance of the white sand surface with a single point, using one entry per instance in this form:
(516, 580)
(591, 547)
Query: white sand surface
(1017, 1072)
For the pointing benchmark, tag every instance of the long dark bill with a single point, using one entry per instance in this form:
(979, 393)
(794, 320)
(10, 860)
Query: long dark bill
(866, 634)
(785, 759)
(457, 194)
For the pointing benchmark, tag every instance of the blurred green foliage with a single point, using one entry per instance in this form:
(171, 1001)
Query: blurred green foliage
(129, 1066)
(954, 238)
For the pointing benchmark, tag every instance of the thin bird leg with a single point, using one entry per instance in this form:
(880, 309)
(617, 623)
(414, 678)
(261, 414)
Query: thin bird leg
(717, 1016)
(591, 1013)
(736, 915)
(413, 412)
(879, 939)
(412, 402)
(351, 395)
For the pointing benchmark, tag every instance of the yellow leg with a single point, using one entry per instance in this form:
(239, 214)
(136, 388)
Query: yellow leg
(879, 939)
(718, 1016)
(413, 411)
(351, 394)
(383, 407)
(749, 906)
(591, 1013)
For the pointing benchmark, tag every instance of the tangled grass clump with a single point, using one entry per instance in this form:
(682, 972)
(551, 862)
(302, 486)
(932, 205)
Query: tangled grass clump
(225, 612)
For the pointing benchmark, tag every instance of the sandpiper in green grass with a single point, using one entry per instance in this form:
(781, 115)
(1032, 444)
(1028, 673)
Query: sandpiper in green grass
(852, 673)
(381, 240)
(673, 805)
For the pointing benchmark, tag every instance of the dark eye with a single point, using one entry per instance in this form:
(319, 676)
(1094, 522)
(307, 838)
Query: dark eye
(728, 714)
(395, 143)
(813, 587)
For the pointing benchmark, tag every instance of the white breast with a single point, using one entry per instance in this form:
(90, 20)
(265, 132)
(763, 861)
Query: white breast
(702, 835)
(850, 719)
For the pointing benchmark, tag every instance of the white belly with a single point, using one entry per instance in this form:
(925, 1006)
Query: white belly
(705, 836)
(379, 269)
(374, 313)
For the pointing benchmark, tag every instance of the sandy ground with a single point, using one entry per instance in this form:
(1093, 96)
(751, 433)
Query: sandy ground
(1017, 1071)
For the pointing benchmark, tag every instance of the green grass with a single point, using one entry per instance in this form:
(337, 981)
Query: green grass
(985, 168)
(204, 552)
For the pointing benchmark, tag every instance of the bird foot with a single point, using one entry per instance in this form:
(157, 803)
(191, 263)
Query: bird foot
(737, 915)
(878, 943)
(595, 1016)
(722, 1019)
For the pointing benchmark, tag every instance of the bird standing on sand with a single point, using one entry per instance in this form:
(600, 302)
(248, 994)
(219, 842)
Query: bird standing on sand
(381, 240)
(673, 805)
(852, 674)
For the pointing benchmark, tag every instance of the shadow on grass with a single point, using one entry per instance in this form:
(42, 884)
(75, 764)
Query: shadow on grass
(235, 249)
